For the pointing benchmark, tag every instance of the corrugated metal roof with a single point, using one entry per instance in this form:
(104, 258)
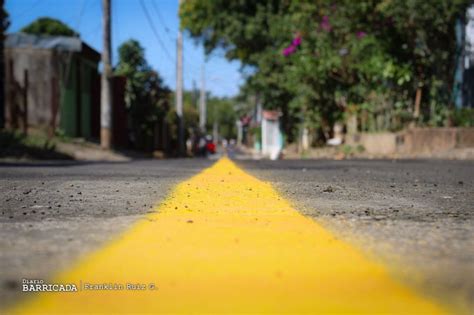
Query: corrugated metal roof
(61, 43)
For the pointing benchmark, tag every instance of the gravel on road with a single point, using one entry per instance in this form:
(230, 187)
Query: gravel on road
(52, 213)
(415, 216)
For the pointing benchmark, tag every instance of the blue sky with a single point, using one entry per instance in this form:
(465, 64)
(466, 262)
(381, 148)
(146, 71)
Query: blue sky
(129, 21)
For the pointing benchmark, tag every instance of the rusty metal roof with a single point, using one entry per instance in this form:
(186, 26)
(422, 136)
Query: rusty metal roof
(59, 43)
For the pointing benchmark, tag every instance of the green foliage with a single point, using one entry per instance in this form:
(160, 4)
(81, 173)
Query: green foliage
(347, 149)
(146, 96)
(4, 19)
(191, 120)
(36, 146)
(191, 115)
(49, 26)
(256, 133)
(221, 111)
(463, 117)
(367, 55)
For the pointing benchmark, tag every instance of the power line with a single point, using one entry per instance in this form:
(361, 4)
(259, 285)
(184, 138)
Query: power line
(168, 32)
(70, 53)
(155, 32)
(189, 67)
(95, 27)
(161, 20)
(81, 13)
(92, 30)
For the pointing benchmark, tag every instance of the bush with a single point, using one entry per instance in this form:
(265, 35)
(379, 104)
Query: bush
(463, 117)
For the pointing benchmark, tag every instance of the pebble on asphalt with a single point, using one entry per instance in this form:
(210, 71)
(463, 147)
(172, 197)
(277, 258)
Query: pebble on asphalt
(328, 189)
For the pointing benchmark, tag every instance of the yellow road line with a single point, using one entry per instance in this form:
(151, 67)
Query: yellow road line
(225, 241)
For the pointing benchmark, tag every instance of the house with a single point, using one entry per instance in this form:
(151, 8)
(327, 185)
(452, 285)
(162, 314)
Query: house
(53, 82)
(272, 138)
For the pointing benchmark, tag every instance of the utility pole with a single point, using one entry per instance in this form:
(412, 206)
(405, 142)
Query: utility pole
(195, 95)
(179, 89)
(202, 102)
(106, 84)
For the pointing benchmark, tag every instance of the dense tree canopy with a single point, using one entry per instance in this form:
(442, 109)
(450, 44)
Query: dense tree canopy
(319, 61)
(221, 113)
(4, 23)
(49, 26)
(146, 96)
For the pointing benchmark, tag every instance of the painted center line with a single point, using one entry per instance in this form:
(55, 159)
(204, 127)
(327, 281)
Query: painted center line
(225, 241)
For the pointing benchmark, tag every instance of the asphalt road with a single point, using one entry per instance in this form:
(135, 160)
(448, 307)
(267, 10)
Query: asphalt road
(414, 216)
(52, 213)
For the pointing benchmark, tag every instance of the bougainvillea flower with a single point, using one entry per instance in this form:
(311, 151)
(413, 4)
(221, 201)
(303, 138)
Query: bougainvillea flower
(296, 41)
(325, 25)
(289, 50)
(361, 34)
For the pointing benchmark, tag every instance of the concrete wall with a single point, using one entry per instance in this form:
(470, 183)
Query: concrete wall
(375, 143)
(73, 74)
(426, 141)
(415, 141)
(41, 68)
(465, 138)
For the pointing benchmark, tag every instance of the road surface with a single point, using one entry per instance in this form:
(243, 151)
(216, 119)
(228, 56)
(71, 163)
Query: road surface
(414, 218)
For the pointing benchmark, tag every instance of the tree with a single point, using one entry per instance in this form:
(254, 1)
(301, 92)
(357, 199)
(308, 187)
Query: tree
(48, 26)
(222, 113)
(319, 61)
(147, 97)
(4, 23)
(425, 41)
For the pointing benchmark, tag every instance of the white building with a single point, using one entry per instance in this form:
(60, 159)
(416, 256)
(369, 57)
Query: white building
(272, 138)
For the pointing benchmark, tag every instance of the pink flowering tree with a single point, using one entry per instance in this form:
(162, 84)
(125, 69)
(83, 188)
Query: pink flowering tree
(314, 59)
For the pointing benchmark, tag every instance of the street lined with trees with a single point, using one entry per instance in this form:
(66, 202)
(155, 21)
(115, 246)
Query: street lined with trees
(325, 185)
(385, 64)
